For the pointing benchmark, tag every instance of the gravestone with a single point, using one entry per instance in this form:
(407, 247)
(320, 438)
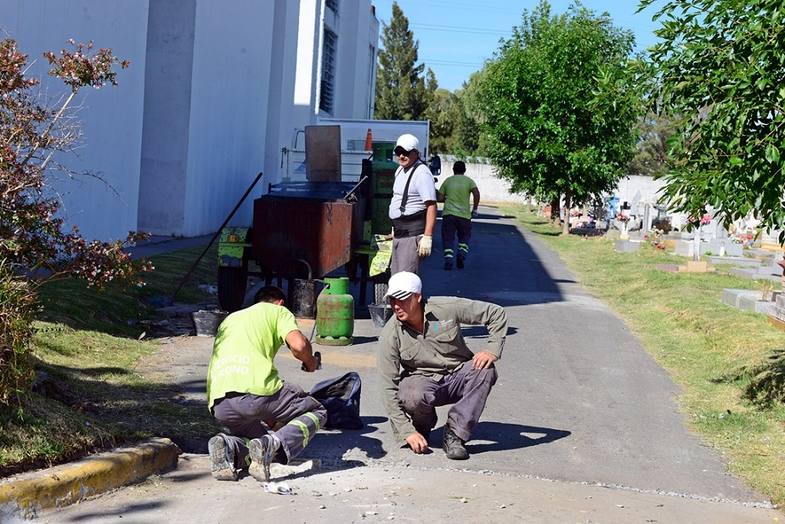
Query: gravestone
(627, 246)
(777, 315)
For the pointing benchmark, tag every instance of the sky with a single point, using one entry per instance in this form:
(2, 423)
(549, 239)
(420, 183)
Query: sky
(457, 36)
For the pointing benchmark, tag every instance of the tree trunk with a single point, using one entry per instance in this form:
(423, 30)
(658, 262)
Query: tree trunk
(566, 224)
(555, 210)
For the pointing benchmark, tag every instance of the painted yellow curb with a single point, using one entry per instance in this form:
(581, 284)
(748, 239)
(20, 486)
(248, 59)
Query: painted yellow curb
(69, 483)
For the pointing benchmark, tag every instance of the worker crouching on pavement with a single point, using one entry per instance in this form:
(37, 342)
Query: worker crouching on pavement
(424, 363)
(246, 395)
(412, 208)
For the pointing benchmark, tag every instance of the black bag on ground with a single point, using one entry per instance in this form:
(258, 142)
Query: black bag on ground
(341, 397)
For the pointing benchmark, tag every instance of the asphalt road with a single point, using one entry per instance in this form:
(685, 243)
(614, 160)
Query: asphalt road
(579, 407)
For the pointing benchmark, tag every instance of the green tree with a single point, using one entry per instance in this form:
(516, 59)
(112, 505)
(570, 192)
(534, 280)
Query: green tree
(35, 247)
(443, 113)
(468, 136)
(651, 158)
(560, 103)
(402, 90)
(720, 64)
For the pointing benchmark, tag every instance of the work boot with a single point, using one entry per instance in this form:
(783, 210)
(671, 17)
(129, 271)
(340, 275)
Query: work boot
(222, 459)
(262, 450)
(448, 264)
(460, 263)
(453, 445)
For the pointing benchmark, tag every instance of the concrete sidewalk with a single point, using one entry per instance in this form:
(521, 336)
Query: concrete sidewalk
(404, 492)
(581, 426)
(157, 245)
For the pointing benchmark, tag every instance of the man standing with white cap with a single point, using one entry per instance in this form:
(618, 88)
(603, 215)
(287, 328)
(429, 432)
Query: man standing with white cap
(412, 208)
(424, 363)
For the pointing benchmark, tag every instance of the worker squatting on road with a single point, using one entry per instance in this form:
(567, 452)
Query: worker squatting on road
(412, 208)
(424, 362)
(457, 215)
(246, 395)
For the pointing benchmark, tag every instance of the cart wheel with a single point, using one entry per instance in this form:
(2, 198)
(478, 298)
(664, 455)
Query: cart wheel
(232, 282)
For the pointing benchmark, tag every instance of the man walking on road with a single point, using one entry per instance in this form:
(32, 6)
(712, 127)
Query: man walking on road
(246, 395)
(412, 208)
(424, 362)
(457, 215)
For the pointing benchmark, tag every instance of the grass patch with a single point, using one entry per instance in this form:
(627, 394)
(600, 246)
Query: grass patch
(91, 395)
(706, 346)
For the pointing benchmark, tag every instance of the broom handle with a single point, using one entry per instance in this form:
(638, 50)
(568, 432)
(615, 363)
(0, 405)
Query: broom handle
(216, 235)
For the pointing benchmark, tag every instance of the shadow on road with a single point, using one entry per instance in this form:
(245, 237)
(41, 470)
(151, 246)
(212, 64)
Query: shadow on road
(502, 436)
(482, 332)
(330, 447)
(125, 511)
(502, 267)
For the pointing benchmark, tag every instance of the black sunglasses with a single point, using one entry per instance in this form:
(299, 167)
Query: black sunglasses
(401, 151)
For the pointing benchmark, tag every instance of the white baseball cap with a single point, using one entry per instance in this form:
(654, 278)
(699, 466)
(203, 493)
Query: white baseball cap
(402, 285)
(407, 142)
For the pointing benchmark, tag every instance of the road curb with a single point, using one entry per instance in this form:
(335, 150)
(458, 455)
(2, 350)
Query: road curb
(70, 483)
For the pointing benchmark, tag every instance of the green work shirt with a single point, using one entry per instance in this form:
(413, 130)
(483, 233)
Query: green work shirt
(440, 351)
(245, 346)
(456, 190)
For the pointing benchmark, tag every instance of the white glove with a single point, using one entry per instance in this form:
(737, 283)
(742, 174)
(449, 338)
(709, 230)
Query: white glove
(425, 245)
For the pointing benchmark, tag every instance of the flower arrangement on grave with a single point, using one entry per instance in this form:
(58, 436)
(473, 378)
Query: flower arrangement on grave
(656, 239)
(745, 238)
(621, 217)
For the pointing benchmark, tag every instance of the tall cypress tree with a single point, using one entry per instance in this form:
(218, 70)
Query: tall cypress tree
(401, 92)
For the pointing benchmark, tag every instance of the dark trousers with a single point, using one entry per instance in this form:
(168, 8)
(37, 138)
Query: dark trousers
(252, 416)
(450, 226)
(467, 388)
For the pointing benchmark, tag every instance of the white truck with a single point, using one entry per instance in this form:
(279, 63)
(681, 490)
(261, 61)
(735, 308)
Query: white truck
(353, 138)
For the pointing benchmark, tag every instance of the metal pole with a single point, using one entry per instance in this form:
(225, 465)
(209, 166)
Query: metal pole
(354, 188)
(217, 234)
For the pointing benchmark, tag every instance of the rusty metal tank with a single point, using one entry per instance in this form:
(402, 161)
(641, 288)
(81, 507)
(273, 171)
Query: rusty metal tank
(310, 221)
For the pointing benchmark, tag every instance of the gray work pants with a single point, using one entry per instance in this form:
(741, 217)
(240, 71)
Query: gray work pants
(251, 416)
(467, 388)
(404, 255)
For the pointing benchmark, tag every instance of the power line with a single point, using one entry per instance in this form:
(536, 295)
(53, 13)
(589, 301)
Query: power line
(462, 29)
(468, 7)
(470, 66)
(452, 62)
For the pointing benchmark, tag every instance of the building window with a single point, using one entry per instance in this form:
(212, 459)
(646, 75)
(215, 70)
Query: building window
(332, 4)
(327, 94)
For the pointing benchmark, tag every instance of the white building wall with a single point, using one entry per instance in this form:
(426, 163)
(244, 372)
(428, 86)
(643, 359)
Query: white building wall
(167, 113)
(229, 95)
(292, 96)
(215, 91)
(111, 118)
(638, 189)
(358, 31)
(296, 78)
(356, 73)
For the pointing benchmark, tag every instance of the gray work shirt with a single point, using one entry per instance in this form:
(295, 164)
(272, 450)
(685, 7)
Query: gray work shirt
(440, 351)
(421, 190)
